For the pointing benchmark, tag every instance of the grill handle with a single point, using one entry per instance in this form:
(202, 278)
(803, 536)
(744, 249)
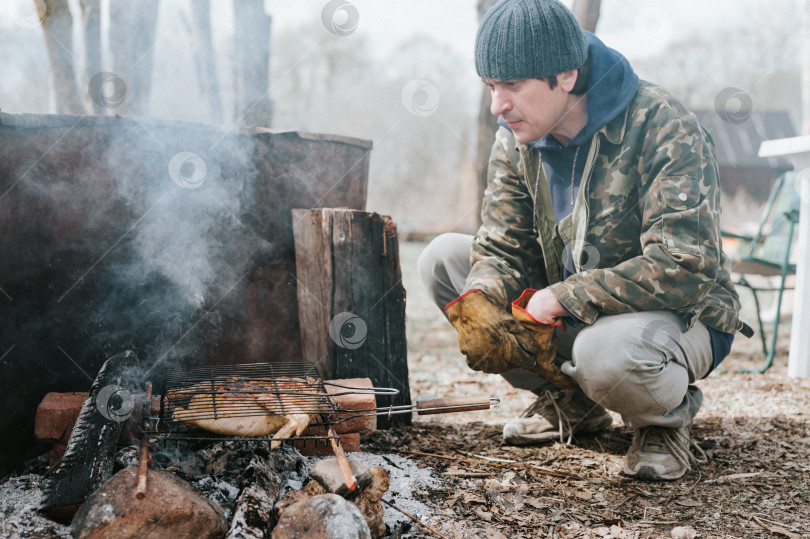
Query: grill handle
(443, 405)
(362, 390)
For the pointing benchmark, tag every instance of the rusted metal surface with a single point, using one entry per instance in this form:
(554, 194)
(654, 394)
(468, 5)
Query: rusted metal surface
(110, 241)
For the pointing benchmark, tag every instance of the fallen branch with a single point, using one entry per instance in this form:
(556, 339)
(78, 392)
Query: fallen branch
(554, 473)
(469, 474)
(410, 516)
(434, 455)
(734, 477)
(491, 459)
(524, 465)
(522, 489)
(775, 529)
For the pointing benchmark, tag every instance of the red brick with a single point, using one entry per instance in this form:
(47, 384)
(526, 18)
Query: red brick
(56, 415)
(365, 424)
(350, 443)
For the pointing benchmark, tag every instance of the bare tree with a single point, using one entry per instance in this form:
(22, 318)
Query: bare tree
(132, 39)
(205, 63)
(91, 23)
(487, 126)
(57, 24)
(252, 63)
(587, 12)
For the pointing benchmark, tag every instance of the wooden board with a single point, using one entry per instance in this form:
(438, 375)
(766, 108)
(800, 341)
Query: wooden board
(351, 302)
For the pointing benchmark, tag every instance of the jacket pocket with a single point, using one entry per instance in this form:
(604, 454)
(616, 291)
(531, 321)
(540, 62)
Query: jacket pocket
(680, 214)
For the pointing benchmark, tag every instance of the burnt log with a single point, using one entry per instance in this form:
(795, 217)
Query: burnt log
(90, 454)
(253, 515)
(351, 302)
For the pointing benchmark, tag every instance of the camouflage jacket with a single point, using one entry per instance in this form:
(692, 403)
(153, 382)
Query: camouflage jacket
(644, 232)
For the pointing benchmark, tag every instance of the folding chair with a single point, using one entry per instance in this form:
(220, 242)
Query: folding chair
(768, 254)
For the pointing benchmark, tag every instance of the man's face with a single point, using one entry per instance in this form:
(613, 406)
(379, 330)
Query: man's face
(530, 107)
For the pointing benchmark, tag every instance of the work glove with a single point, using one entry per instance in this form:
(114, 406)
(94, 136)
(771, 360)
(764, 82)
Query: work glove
(545, 339)
(489, 336)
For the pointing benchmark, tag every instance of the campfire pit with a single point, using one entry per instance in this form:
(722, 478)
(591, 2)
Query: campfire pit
(176, 437)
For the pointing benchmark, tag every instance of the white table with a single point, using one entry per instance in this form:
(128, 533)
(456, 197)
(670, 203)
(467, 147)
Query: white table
(797, 151)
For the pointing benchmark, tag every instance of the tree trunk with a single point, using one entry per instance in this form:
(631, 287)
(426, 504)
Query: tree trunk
(206, 64)
(132, 38)
(487, 126)
(91, 22)
(351, 303)
(57, 23)
(252, 63)
(587, 12)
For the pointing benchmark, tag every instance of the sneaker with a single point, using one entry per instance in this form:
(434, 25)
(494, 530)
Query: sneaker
(556, 414)
(661, 453)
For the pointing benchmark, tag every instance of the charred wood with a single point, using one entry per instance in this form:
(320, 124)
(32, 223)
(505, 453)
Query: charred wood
(351, 302)
(253, 514)
(90, 453)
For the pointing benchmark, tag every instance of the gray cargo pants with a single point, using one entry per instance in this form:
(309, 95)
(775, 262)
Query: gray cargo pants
(640, 365)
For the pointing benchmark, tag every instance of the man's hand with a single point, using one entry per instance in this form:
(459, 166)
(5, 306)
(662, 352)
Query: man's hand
(491, 338)
(545, 308)
(544, 336)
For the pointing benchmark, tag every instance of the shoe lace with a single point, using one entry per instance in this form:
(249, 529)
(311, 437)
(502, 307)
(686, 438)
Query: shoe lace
(545, 402)
(674, 442)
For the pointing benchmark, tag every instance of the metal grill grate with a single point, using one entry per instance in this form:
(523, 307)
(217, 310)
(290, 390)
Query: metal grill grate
(240, 391)
(273, 398)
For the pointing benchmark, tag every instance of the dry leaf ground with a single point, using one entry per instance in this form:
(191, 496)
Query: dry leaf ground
(754, 428)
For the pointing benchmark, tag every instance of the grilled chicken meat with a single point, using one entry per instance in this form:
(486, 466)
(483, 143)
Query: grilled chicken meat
(246, 408)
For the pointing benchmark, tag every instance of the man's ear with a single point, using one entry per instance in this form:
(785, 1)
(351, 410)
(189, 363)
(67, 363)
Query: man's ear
(567, 80)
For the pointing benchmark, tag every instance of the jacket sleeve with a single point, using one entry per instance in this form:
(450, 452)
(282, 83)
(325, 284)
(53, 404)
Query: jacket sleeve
(679, 233)
(506, 257)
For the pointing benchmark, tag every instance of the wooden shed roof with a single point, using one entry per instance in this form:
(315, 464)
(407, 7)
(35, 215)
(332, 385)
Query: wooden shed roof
(738, 142)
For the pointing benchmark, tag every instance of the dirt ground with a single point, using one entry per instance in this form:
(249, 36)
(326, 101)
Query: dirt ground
(754, 428)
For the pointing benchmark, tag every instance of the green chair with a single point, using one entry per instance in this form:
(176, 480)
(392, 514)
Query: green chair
(768, 254)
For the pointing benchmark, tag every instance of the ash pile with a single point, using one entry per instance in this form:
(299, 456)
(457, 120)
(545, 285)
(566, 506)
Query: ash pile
(225, 489)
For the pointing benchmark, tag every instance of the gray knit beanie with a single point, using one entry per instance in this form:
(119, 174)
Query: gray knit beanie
(528, 39)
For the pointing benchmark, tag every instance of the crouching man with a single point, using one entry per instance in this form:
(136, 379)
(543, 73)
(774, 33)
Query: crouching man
(597, 279)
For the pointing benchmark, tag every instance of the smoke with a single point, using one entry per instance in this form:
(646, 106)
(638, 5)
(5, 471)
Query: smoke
(181, 223)
(187, 247)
